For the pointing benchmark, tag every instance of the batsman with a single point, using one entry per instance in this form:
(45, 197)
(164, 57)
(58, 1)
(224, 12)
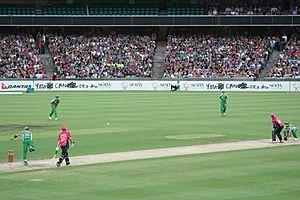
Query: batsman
(223, 103)
(27, 142)
(289, 131)
(277, 128)
(64, 140)
(54, 103)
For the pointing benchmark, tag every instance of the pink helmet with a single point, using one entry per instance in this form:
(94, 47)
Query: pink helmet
(63, 127)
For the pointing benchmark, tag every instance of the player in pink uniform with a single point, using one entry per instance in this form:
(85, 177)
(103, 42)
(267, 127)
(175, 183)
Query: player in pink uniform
(277, 128)
(64, 139)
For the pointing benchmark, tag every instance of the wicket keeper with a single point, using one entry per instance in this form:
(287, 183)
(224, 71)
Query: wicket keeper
(223, 103)
(27, 142)
(289, 131)
(54, 103)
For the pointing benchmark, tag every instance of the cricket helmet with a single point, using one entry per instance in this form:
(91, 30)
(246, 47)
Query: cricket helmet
(273, 115)
(286, 122)
(57, 96)
(63, 127)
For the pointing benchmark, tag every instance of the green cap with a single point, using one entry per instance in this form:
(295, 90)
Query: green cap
(286, 122)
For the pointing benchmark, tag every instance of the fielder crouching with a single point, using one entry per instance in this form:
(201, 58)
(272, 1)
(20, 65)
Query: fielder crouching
(175, 87)
(64, 139)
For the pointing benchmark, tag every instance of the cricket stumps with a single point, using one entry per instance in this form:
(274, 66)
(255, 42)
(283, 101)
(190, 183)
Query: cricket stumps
(10, 158)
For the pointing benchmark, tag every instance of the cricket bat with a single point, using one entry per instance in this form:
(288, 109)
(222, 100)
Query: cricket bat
(54, 156)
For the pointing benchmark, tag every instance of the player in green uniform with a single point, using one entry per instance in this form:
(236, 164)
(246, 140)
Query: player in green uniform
(54, 103)
(289, 131)
(27, 142)
(223, 103)
(175, 87)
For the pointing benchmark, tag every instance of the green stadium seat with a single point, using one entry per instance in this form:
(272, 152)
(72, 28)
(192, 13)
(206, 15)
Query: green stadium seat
(123, 9)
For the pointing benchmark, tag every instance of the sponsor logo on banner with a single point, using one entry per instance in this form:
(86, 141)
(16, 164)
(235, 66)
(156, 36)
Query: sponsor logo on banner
(233, 86)
(136, 85)
(186, 86)
(80, 85)
(43, 86)
(295, 87)
(222, 86)
(4, 87)
(103, 85)
(133, 85)
(157, 85)
(15, 86)
(124, 85)
(192, 86)
(160, 85)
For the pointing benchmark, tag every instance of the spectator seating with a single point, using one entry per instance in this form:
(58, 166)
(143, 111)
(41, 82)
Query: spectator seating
(8, 9)
(97, 56)
(208, 56)
(123, 10)
(253, 10)
(288, 64)
(186, 10)
(65, 10)
(20, 57)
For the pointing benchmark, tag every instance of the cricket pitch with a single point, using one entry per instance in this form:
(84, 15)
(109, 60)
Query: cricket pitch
(146, 154)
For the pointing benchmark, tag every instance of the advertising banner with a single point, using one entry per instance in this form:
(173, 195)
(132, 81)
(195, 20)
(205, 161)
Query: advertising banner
(152, 85)
(234, 86)
(295, 86)
(6, 86)
(90, 85)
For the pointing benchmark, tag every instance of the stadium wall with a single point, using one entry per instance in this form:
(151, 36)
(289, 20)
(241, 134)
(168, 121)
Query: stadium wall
(151, 85)
(152, 21)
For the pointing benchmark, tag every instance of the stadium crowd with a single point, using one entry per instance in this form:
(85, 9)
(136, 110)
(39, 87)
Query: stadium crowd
(256, 10)
(20, 56)
(200, 55)
(99, 56)
(251, 8)
(288, 64)
(209, 56)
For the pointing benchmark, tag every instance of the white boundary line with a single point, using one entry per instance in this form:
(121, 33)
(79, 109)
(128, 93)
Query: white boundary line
(11, 92)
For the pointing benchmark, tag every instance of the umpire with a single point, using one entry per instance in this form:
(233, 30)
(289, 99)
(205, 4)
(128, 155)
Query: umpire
(64, 139)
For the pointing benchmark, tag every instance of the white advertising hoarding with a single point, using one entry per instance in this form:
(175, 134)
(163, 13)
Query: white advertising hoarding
(90, 85)
(15, 85)
(234, 86)
(153, 85)
(295, 86)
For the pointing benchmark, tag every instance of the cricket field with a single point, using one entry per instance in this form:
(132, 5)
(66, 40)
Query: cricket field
(111, 122)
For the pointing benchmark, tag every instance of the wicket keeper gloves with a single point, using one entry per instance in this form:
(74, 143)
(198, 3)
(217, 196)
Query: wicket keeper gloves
(56, 148)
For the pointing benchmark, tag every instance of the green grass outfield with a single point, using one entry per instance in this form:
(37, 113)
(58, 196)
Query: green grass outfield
(140, 120)
(149, 120)
(261, 174)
